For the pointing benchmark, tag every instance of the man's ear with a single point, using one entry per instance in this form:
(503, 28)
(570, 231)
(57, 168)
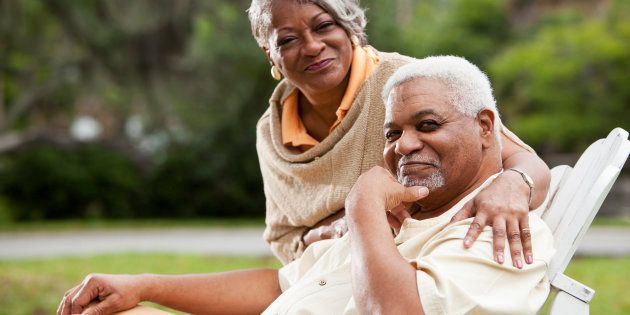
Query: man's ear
(485, 120)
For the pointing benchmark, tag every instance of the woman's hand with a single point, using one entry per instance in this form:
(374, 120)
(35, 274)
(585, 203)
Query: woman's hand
(504, 206)
(334, 226)
(101, 294)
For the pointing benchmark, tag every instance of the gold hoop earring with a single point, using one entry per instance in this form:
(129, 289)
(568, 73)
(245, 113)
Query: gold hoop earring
(355, 40)
(275, 73)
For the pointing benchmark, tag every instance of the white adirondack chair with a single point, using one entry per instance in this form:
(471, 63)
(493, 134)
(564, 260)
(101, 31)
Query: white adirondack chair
(574, 197)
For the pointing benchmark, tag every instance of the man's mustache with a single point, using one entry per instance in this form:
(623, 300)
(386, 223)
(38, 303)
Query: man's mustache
(417, 158)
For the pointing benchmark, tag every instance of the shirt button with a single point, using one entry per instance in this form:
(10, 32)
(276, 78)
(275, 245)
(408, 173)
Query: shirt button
(322, 282)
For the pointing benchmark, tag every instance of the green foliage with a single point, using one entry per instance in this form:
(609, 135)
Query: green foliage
(198, 81)
(473, 29)
(215, 178)
(46, 182)
(567, 84)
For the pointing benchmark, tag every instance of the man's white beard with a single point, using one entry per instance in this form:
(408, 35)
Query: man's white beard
(435, 181)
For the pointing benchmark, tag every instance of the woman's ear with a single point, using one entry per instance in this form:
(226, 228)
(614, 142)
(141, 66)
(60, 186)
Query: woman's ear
(486, 120)
(268, 55)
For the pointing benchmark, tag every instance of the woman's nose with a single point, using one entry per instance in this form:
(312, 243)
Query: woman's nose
(313, 45)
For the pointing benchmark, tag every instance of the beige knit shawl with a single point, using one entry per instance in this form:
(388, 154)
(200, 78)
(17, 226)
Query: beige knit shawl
(302, 188)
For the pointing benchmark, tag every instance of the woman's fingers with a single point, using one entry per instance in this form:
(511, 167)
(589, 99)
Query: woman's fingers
(526, 239)
(514, 237)
(498, 239)
(477, 225)
(467, 211)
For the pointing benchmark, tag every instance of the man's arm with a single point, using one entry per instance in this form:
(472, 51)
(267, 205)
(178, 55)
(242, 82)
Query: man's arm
(235, 292)
(382, 281)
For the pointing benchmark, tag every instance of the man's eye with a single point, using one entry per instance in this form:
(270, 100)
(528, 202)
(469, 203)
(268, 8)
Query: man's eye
(392, 135)
(428, 125)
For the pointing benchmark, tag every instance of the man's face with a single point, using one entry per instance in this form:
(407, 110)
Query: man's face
(428, 141)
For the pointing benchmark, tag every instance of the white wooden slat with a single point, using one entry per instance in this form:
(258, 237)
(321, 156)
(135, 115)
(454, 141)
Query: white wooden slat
(570, 236)
(574, 199)
(582, 206)
(569, 190)
(564, 303)
(576, 289)
(558, 175)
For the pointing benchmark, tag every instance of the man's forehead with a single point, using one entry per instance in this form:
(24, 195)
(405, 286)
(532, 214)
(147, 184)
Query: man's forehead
(419, 95)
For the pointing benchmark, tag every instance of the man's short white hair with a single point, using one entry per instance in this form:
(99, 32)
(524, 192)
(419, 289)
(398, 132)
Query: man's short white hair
(469, 88)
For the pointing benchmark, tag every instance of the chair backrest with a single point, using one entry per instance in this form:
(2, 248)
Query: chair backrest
(577, 194)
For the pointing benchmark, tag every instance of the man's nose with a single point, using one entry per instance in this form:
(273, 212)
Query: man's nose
(313, 45)
(408, 143)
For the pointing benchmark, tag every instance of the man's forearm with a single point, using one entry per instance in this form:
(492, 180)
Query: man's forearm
(235, 292)
(382, 280)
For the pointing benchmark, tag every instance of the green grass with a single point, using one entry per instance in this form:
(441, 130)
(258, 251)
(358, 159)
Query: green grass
(36, 286)
(613, 222)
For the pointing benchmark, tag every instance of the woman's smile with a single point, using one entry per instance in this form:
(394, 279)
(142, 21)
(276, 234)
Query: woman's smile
(317, 66)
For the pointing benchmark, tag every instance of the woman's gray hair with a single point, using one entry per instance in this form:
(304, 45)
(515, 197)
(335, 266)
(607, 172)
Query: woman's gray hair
(347, 13)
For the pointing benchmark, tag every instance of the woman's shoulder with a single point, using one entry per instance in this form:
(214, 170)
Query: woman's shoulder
(393, 59)
(388, 63)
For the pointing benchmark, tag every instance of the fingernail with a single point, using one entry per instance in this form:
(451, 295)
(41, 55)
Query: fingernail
(467, 242)
(519, 264)
(500, 258)
(423, 191)
(530, 259)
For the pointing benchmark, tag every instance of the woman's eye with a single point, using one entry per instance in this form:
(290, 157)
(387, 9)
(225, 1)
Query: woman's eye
(284, 41)
(428, 125)
(325, 25)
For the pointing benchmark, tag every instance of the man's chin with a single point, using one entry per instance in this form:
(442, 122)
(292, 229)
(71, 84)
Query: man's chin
(432, 182)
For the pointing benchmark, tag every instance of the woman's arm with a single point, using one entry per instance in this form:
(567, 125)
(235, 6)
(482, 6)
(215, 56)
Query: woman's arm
(505, 203)
(235, 292)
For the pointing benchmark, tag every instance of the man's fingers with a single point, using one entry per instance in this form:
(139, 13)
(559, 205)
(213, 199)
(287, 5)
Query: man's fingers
(66, 302)
(107, 306)
(405, 195)
(465, 212)
(498, 239)
(474, 230)
(514, 237)
(89, 290)
(526, 239)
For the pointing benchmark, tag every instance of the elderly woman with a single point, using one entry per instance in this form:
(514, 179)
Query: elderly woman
(323, 129)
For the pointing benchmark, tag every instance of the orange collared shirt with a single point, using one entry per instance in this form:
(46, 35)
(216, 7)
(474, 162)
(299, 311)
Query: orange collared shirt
(294, 133)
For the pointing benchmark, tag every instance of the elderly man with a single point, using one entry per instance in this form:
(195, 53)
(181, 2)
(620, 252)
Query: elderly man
(442, 147)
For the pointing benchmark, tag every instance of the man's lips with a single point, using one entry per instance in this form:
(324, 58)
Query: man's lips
(318, 65)
(410, 167)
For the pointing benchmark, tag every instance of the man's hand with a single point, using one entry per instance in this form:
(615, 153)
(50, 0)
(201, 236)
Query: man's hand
(378, 189)
(504, 206)
(101, 294)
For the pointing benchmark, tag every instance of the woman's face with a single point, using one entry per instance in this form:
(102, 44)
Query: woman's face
(309, 47)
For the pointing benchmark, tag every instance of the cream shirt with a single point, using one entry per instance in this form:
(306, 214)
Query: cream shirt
(451, 279)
